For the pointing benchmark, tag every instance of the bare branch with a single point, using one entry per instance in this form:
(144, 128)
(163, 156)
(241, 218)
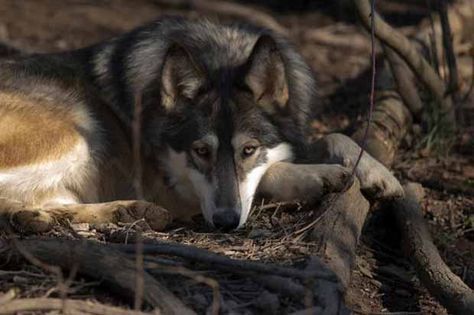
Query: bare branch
(70, 306)
(399, 43)
(405, 81)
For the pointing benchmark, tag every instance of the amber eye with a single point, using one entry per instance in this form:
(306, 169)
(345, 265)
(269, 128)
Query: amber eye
(202, 152)
(249, 150)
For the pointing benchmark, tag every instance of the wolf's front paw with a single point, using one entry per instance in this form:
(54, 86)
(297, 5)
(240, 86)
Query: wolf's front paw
(375, 179)
(31, 221)
(325, 178)
(131, 211)
(304, 182)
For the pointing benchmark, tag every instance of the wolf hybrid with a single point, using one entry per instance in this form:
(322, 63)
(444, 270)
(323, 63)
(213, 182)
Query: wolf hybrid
(224, 113)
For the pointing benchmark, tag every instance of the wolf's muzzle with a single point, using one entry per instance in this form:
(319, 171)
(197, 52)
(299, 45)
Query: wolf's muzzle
(226, 220)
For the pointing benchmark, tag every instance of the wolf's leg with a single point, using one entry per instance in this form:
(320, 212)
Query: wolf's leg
(28, 219)
(126, 211)
(304, 182)
(375, 179)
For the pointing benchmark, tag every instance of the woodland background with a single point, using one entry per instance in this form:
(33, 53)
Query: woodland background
(429, 148)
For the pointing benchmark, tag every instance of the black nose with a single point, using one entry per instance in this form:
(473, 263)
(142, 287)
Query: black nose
(226, 220)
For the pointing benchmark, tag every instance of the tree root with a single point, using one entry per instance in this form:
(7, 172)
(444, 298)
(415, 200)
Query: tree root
(98, 262)
(417, 243)
(111, 264)
(339, 228)
(73, 307)
(456, 296)
(418, 64)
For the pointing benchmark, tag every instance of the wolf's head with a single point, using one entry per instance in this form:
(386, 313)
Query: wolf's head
(224, 127)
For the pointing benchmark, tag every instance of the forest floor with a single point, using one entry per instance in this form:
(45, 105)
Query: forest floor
(383, 281)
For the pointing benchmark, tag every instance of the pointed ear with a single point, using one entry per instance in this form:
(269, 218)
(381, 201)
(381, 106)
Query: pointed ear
(180, 76)
(266, 75)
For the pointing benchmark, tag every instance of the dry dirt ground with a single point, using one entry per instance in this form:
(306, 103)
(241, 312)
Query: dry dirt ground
(383, 281)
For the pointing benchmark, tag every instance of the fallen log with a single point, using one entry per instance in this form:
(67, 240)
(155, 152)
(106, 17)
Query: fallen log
(328, 289)
(98, 262)
(390, 123)
(111, 264)
(338, 229)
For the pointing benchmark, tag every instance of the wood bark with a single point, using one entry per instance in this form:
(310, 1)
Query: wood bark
(71, 307)
(338, 229)
(390, 123)
(456, 296)
(98, 262)
(402, 45)
(447, 287)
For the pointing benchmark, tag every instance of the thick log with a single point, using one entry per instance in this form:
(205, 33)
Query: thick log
(338, 230)
(390, 123)
(98, 262)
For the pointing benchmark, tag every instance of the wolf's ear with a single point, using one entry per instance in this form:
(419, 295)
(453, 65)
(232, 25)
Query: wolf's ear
(180, 76)
(266, 76)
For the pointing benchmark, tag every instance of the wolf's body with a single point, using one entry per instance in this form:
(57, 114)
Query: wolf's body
(224, 109)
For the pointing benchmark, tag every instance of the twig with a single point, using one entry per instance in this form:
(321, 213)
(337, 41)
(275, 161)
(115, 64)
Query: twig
(136, 147)
(71, 307)
(372, 88)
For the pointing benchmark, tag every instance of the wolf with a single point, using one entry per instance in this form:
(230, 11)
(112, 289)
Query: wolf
(223, 117)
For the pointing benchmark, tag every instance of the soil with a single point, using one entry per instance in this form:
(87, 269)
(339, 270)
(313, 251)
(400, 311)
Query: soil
(383, 281)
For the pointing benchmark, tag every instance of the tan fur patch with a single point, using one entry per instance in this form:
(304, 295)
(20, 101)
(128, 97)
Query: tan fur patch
(29, 133)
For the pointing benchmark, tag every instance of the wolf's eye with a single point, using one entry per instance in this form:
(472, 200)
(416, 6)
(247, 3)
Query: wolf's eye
(202, 152)
(249, 150)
